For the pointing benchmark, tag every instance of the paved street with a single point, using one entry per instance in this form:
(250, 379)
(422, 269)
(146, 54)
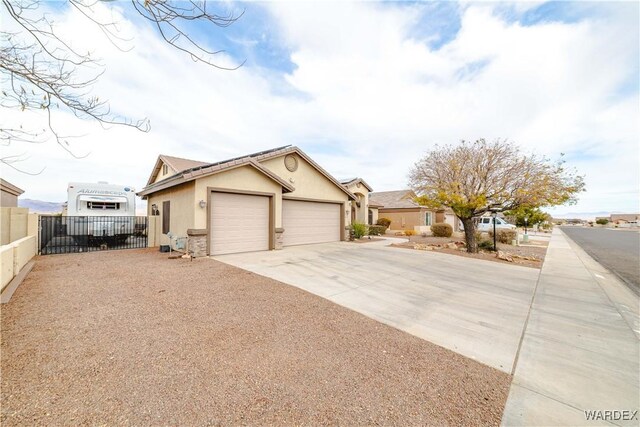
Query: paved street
(617, 250)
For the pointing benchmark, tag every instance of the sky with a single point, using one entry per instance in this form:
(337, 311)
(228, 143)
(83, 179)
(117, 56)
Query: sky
(364, 88)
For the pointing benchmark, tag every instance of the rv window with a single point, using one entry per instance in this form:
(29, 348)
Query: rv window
(166, 220)
(485, 220)
(103, 205)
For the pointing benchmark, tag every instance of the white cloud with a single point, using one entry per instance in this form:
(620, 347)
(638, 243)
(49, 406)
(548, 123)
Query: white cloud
(368, 97)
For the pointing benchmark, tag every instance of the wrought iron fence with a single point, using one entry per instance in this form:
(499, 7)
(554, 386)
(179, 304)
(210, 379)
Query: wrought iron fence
(68, 234)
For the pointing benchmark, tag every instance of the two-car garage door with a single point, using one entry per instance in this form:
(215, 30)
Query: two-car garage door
(242, 223)
(310, 222)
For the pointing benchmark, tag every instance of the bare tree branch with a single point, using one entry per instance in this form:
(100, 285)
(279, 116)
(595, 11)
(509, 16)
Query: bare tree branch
(42, 72)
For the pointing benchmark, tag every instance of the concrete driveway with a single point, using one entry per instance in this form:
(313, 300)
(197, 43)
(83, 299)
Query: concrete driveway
(474, 307)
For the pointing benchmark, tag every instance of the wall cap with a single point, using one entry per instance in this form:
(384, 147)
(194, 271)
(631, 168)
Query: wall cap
(197, 232)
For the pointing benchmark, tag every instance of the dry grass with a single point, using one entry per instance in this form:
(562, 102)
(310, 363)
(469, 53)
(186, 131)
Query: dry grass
(132, 338)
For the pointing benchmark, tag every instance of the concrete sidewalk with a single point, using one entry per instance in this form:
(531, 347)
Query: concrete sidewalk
(580, 348)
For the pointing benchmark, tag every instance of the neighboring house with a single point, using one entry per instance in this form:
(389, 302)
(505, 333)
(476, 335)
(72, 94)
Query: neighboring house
(362, 210)
(9, 194)
(624, 218)
(261, 201)
(405, 214)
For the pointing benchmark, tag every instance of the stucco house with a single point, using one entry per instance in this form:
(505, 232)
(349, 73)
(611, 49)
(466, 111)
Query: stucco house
(405, 214)
(9, 194)
(362, 210)
(261, 201)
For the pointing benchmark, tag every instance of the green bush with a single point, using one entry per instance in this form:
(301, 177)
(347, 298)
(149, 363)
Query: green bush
(377, 230)
(386, 222)
(602, 221)
(359, 229)
(441, 229)
(409, 232)
(504, 236)
(485, 244)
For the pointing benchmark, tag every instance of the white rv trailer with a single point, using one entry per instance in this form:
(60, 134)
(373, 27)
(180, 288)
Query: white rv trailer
(100, 212)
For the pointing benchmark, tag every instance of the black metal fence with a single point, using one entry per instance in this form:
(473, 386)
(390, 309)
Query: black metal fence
(68, 234)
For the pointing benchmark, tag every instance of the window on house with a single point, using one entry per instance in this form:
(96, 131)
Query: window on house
(427, 218)
(165, 169)
(103, 205)
(166, 217)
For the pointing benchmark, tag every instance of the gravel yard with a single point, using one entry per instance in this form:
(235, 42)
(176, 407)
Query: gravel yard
(133, 338)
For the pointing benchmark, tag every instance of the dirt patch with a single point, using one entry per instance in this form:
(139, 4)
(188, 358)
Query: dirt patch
(530, 255)
(132, 338)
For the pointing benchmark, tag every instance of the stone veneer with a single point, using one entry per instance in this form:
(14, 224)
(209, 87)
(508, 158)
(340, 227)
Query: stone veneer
(279, 238)
(197, 246)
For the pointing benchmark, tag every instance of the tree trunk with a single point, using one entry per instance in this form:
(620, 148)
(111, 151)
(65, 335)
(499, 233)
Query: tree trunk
(470, 234)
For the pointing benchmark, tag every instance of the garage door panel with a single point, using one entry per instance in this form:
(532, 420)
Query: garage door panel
(310, 222)
(239, 223)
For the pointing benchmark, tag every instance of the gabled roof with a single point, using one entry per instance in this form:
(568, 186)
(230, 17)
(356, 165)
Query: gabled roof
(400, 199)
(349, 181)
(254, 159)
(211, 169)
(178, 164)
(288, 149)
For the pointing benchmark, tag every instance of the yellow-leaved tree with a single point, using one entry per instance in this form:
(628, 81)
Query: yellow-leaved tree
(472, 177)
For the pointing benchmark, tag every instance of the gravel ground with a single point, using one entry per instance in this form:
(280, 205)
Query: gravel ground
(132, 338)
(533, 249)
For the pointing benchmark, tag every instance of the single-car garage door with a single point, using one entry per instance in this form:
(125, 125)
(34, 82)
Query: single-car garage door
(239, 223)
(310, 222)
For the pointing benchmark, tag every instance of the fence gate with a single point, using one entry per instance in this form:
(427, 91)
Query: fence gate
(68, 234)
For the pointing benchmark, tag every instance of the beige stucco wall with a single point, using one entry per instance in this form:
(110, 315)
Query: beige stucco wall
(16, 223)
(8, 200)
(375, 215)
(6, 259)
(182, 209)
(308, 182)
(14, 257)
(362, 212)
(162, 176)
(404, 219)
(245, 178)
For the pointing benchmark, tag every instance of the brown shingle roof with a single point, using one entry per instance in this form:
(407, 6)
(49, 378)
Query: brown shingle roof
(250, 159)
(399, 199)
(179, 164)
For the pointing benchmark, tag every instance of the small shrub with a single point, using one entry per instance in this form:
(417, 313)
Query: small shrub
(409, 232)
(602, 221)
(441, 229)
(377, 230)
(485, 244)
(504, 236)
(359, 229)
(386, 222)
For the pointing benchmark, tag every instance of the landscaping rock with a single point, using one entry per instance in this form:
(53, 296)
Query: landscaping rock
(504, 256)
(422, 247)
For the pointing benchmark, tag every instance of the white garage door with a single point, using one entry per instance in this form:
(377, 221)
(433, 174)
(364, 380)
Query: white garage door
(310, 222)
(239, 223)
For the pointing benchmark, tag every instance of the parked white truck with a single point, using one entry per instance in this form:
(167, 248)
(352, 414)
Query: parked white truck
(100, 212)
